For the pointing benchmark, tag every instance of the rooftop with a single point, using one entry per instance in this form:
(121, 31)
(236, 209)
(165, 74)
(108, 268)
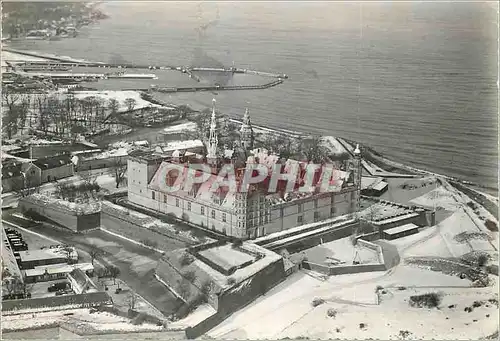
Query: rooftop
(53, 161)
(32, 255)
(246, 272)
(402, 228)
(58, 268)
(227, 256)
(11, 169)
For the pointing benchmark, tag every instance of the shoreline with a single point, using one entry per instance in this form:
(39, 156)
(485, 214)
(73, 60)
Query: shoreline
(371, 154)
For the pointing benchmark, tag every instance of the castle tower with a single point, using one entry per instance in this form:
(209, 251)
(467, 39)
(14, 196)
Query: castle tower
(213, 140)
(246, 132)
(355, 167)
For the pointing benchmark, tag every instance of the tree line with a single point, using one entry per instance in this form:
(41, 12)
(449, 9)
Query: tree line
(66, 116)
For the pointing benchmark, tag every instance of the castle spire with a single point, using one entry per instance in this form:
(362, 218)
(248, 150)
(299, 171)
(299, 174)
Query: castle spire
(246, 132)
(213, 140)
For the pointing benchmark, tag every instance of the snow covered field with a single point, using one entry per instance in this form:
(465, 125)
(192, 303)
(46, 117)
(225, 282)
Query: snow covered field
(286, 311)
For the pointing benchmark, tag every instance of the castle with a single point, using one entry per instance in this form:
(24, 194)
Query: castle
(241, 214)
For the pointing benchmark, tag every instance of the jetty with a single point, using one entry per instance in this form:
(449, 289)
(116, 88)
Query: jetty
(209, 87)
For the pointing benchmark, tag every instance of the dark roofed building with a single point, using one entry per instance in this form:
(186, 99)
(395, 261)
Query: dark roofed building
(55, 167)
(17, 175)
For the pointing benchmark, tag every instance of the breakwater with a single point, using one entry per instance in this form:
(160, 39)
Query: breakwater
(210, 88)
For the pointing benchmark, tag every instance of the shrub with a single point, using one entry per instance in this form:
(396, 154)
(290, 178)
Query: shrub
(317, 301)
(206, 287)
(237, 243)
(492, 269)
(491, 225)
(231, 281)
(362, 325)
(150, 243)
(430, 300)
(184, 289)
(378, 288)
(190, 276)
(186, 259)
(139, 319)
(401, 288)
(331, 312)
(482, 260)
(403, 334)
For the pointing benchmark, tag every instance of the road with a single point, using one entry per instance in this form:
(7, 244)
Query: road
(136, 263)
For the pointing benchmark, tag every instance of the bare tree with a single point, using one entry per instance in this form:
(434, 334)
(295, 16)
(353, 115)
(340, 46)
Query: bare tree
(314, 150)
(119, 170)
(25, 186)
(373, 211)
(94, 253)
(13, 285)
(130, 103)
(114, 272)
(132, 299)
(68, 251)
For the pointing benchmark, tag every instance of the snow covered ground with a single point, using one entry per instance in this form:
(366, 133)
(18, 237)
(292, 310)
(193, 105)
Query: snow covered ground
(286, 311)
(179, 128)
(78, 317)
(199, 314)
(439, 197)
(342, 250)
(16, 57)
(120, 96)
(333, 145)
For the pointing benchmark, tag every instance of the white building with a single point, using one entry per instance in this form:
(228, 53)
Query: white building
(237, 214)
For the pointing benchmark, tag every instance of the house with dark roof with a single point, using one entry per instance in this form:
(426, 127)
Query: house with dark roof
(55, 167)
(17, 175)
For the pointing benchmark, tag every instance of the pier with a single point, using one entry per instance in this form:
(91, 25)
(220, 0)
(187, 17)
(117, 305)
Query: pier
(214, 87)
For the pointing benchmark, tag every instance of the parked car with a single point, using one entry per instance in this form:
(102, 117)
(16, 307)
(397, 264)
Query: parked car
(58, 286)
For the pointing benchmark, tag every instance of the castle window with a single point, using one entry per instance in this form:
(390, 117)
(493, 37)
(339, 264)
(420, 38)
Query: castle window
(202, 210)
(165, 198)
(153, 195)
(260, 220)
(299, 208)
(299, 219)
(332, 199)
(316, 216)
(213, 214)
(189, 206)
(333, 210)
(266, 219)
(315, 203)
(177, 202)
(223, 217)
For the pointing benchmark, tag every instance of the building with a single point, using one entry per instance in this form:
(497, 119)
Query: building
(42, 148)
(240, 214)
(55, 271)
(181, 147)
(400, 231)
(55, 167)
(96, 159)
(35, 258)
(80, 281)
(17, 175)
(373, 186)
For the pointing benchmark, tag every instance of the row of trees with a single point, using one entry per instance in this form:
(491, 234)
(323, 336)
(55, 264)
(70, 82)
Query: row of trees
(61, 115)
